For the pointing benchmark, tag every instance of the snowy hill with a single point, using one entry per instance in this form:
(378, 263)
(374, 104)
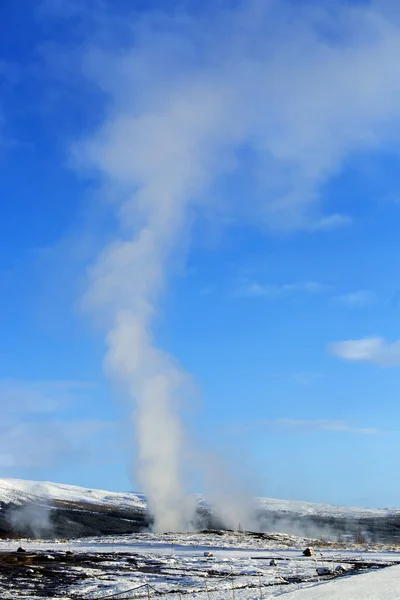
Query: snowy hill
(323, 510)
(76, 511)
(44, 509)
(20, 491)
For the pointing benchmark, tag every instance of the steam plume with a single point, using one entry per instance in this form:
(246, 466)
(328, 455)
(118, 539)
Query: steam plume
(33, 518)
(260, 81)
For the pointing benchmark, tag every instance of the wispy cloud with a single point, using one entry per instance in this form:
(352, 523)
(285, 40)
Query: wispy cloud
(373, 350)
(36, 445)
(306, 377)
(300, 377)
(39, 427)
(324, 425)
(263, 290)
(330, 222)
(359, 299)
(39, 397)
(321, 425)
(307, 425)
(251, 288)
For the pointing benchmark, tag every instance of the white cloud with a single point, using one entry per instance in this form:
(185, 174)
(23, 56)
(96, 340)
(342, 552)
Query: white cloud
(39, 397)
(359, 299)
(39, 428)
(303, 378)
(59, 9)
(255, 289)
(330, 222)
(306, 377)
(373, 350)
(263, 290)
(321, 425)
(41, 445)
(306, 425)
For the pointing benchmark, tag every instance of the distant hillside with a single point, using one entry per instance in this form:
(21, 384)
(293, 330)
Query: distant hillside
(20, 491)
(43, 509)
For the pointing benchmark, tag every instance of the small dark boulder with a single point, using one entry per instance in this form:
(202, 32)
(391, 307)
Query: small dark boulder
(21, 549)
(323, 571)
(309, 551)
(340, 570)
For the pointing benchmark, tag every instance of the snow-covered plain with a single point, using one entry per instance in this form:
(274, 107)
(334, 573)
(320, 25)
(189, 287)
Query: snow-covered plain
(378, 585)
(175, 564)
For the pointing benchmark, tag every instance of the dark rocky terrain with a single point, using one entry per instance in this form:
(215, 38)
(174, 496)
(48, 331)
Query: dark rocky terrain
(73, 519)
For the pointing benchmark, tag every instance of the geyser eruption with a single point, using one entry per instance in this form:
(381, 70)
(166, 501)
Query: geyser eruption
(127, 279)
(187, 100)
(155, 382)
(158, 159)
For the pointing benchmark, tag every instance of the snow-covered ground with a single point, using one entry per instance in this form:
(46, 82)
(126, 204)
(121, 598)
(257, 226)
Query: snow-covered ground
(239, 569)
(378, 585)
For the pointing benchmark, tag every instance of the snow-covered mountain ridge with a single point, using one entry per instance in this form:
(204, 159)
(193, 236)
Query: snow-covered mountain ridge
(18, 491)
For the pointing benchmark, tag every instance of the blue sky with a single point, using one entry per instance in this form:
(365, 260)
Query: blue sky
(257, 146)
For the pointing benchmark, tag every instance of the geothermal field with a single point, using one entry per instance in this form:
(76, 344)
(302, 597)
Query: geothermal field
(57, 543)
(199, 299)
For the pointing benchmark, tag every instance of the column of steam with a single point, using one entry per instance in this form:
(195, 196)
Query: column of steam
(125, 283)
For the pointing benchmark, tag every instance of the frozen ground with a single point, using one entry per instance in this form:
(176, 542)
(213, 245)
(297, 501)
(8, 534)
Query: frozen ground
(174, 567)
(378, 585)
